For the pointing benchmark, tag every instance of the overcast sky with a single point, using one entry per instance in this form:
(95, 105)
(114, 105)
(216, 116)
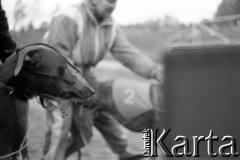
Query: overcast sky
(128, 11)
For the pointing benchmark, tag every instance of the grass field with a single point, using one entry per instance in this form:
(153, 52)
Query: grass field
(96, 150)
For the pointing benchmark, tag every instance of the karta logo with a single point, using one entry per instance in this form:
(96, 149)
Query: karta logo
(181, 148)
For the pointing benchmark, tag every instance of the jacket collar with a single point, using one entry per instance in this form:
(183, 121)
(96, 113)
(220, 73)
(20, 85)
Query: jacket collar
(106, 21)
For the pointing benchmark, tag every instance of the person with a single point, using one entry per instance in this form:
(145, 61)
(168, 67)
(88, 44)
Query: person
(85, 33)
(7, 45)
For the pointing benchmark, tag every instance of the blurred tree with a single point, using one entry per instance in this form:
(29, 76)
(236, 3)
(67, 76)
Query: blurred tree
(25, 13)
(228, 7)
(19, 13)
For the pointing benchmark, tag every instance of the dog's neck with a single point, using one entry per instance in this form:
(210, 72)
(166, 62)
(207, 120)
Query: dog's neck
(5, 75)
(15, 91)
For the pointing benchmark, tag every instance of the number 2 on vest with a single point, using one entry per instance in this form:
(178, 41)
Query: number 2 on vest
(130, 93)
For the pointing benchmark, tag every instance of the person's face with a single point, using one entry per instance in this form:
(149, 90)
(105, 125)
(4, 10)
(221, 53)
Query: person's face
(104, 8)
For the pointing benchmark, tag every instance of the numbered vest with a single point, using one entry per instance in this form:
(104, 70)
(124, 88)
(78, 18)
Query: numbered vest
(131, 97)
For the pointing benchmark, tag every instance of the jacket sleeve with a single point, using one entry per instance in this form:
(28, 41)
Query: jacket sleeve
(132, 58)
(7, 45)
(62, 35)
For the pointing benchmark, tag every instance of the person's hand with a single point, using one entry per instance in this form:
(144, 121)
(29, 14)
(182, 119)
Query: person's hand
(159, 74)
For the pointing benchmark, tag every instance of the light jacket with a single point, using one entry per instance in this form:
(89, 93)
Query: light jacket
(76, 33)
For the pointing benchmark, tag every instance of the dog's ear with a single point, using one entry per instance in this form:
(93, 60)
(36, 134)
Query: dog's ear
(31, 56)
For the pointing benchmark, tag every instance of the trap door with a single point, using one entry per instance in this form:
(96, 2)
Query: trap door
(203, 94)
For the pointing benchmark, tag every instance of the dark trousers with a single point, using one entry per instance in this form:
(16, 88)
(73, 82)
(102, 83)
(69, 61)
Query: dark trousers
(111, 131)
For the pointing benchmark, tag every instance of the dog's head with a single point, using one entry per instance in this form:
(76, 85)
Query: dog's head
(40, 70)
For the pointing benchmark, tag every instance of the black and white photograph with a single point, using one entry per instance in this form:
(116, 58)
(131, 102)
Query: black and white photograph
(119, 79)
